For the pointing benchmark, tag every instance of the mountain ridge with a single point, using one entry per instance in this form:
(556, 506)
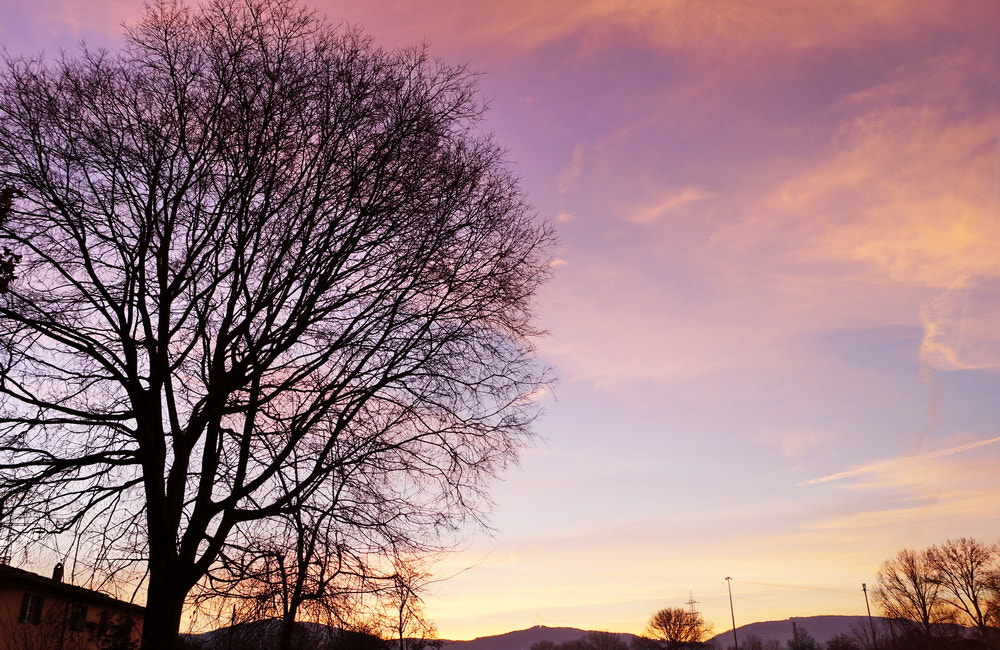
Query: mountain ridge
(518, 638)
(822, 628)
(264, 634)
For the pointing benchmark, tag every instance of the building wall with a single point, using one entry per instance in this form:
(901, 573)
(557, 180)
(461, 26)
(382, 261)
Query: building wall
(60, 625)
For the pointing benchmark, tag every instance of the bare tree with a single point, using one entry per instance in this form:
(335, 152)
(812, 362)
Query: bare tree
(308, 568)
(965, 570)
(677, 627)
(408, 619)
(908, 590)
(310, 565)
(311, 568)
(8, 258)
(801, 639)
(754, 642)
(545, 645)
(600, 640)
(591, 641)
(266, 268)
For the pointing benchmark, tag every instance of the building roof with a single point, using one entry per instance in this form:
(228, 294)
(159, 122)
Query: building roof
(12, 576)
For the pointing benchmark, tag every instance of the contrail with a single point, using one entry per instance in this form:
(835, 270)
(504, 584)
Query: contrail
(898, 461)
(786, 586)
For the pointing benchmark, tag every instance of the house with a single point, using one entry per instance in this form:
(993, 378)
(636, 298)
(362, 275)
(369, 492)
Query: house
(39, 613)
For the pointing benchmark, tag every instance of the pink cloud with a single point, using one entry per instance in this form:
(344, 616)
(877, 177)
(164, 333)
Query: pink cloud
(766, 28)
(669, 202)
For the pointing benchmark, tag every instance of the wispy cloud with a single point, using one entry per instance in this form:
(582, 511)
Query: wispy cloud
(711, 29)
(908, 460)
(669, 202)
(569, 177)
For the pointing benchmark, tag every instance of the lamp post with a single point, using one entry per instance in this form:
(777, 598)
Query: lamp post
(871, 625)
(732, 614)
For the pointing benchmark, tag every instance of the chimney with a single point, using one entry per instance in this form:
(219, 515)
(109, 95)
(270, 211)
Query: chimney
(57, 573)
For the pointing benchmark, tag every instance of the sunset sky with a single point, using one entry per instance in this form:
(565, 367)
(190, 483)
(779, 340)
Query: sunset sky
(776, 312)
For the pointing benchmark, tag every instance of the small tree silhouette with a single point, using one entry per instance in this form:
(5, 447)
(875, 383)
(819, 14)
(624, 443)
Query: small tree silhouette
(8, 258)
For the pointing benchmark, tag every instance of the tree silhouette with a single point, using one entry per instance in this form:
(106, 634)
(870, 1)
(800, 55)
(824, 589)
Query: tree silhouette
(928, 594)
(907, 590)
(966, 571)
(8, 258)
(754, 642)
(589, 641)
(801, 639)
(676, 627)
(266, 267)
(843, 642)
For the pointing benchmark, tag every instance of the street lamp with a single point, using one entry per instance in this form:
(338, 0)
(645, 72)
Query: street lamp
(871, 626)
(731, 613)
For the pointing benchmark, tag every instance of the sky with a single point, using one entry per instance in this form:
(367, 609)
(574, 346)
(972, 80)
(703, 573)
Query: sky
(776, 309)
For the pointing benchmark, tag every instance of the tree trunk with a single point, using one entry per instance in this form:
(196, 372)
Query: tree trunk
(164, 604)
(292, 608)
(287, 629)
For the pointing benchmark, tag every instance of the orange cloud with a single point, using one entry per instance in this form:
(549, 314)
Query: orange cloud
(711, 29)
(911, 196)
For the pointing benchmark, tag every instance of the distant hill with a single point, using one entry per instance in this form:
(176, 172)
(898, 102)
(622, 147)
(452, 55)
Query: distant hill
(821, 628)
(261, 635)
(523, 639)
(264, 633)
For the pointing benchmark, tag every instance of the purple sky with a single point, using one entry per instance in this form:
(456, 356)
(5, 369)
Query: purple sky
(776, 316)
